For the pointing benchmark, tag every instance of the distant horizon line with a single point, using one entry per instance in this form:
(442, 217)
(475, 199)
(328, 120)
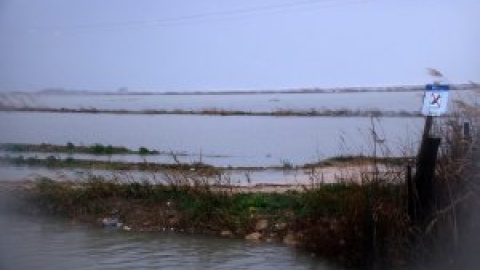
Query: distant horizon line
(302, 90)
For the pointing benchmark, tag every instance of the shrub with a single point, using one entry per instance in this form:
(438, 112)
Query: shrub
(143, 151)
(97, 148)
(108, 150)
(70, 146)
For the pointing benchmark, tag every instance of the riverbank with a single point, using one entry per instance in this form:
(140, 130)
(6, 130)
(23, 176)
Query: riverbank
(329, 220)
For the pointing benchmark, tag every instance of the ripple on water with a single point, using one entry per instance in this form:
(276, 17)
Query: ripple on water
(33, 243)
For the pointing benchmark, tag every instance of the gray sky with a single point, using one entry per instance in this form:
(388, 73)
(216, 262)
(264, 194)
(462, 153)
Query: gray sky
(175, 45)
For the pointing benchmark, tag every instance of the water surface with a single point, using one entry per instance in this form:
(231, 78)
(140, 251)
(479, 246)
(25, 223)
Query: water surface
(397, 101)
(46, 244)
(239, 140)
(236, 177)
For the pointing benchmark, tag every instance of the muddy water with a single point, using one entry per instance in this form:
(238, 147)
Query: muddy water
(407, 101)
(41, 244)
(221, 141)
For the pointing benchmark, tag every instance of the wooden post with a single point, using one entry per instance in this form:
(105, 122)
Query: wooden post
(427, 128)
(421, 188)
(466, 131)
(424, 179)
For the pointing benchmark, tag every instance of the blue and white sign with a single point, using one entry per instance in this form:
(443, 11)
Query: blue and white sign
(435, 100)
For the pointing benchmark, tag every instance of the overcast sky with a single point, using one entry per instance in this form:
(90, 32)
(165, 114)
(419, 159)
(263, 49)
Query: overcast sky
(176, 45)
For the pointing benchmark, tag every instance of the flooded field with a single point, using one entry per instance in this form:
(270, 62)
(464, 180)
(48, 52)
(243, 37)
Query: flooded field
(221, 141)
(398, 101)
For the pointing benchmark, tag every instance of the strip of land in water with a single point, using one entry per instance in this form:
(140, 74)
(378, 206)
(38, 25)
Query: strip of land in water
(311, 90)
(99, 149)
(70, 162)
(96, 149)
(222, 112)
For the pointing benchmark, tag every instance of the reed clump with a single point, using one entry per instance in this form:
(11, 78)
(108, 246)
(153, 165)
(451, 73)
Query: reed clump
(357, 224)
(447, 234)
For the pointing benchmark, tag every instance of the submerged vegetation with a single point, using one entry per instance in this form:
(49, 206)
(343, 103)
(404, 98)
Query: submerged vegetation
(53, 161)
(69, 162)
(97, 149)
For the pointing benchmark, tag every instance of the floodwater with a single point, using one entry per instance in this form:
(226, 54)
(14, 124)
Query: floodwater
(237, 177)
(383, 101)
(394, 101)
(34, 243)
(239, 140)
(47, 244)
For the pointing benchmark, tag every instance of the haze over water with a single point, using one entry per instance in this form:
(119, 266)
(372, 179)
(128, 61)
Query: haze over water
(213, 45)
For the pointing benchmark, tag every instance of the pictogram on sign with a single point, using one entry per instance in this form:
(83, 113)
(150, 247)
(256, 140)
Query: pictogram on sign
(435, 100)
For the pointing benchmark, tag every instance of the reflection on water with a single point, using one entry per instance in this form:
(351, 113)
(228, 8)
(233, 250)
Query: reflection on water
(34, 243)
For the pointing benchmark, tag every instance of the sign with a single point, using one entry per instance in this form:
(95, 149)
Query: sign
(435, 100)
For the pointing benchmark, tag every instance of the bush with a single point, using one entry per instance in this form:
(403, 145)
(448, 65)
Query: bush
(143, 151)
(97, 148)
(70, 146)
(108, 150)
(100, 149)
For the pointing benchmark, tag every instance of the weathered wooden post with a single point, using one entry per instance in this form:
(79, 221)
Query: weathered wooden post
(466, 132)
(421, 196)
(424, 179)
(411, 192)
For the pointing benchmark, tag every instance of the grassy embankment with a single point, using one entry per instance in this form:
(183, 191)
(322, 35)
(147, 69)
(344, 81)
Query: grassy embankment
(223, 112)
(330, 220)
